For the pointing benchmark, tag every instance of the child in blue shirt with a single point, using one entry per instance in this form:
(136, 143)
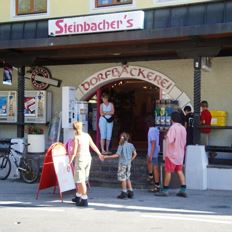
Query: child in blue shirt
(126, 153)
(152, 154)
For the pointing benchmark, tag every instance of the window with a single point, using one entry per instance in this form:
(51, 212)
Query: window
(102, 3)
(24, 7)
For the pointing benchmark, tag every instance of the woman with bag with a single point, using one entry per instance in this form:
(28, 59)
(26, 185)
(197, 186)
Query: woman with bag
(106, 123)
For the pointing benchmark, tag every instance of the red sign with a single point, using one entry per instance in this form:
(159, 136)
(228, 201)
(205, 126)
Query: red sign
(97, 23)
(55, 170)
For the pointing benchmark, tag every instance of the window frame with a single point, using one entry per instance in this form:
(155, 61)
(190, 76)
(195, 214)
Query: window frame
(114, 3)
(32, 7)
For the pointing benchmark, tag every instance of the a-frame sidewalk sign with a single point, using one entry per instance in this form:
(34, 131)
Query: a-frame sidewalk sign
(56, 171)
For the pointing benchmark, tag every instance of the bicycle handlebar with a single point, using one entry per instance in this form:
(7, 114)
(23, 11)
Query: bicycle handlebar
(26, 144)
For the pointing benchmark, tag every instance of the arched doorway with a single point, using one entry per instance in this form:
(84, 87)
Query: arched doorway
(134, 100)
(134, 89)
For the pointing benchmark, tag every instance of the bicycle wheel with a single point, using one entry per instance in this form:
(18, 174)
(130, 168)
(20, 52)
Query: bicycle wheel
(29, 170)
(5, 167)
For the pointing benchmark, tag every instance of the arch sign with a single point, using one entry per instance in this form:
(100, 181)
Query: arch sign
(127, 72)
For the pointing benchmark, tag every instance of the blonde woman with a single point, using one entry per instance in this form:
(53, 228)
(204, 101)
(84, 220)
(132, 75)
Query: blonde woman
(81, 153)
(106, 123)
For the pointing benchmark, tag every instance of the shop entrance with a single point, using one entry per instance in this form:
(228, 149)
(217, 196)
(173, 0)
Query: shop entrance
(134, 101)
(134, 91)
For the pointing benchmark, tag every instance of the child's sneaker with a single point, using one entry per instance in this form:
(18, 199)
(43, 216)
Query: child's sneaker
(162, 194)
(123, 195)
(150, 179)
(155, 189)
(130, 194)
(181, 194)
(82, 203)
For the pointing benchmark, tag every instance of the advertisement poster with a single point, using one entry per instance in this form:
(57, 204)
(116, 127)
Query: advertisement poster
(30, 106)
(3, 105)
(7, 75)
(63, 171)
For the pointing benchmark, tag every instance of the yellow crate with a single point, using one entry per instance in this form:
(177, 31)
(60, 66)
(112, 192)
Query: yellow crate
(219, 118)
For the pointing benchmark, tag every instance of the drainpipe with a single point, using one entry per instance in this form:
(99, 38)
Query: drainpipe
(197, 99)
(21, 91)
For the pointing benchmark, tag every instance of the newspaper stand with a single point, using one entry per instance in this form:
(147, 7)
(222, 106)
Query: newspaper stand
(56, 171)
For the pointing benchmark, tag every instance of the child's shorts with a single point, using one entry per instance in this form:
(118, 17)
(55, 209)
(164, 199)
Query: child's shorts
(171, 167)
(124, 172)
(155, 161)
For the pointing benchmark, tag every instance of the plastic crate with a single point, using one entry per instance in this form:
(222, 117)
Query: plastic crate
(219, 118)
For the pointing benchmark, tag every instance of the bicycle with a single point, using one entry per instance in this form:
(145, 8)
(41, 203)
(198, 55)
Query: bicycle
(27, 167)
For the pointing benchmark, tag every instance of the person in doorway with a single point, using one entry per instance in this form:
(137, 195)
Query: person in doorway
(189, 117)
(174, 155)
(205, 120)
(106, 123)
(126, 153)
(82, 141)
(152, 154)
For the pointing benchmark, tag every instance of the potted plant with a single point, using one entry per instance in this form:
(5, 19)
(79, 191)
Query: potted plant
(36, 139)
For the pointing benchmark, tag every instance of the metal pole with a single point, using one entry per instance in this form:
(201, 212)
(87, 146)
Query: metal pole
(98, 93)
(197, 99)
(21, 91)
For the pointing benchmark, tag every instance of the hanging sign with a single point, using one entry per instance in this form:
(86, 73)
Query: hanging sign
(41, 78)
(97, 23)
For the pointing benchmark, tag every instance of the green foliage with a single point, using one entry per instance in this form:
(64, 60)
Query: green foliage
(34, 129)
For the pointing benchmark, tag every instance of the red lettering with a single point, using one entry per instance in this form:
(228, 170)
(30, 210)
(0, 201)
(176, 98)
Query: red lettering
(113, 25)
(86, 85)
(157, 79)
(86, 26)
(119, 23)
(93, 27)
(70, 28)
(131, 72)
(115, 72)
(141, 72)
(107, 74)
(100, 26)
(124, 70)
(129, 23)
(149, 76)
(94, 80)
(59, 26)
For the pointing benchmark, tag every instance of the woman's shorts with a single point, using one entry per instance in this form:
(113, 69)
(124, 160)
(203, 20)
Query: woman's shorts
(105, 128)
(82, 170)
(124, 172)
(171, 167)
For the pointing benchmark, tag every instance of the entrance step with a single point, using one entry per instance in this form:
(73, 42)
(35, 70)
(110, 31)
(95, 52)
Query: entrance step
(104, 173)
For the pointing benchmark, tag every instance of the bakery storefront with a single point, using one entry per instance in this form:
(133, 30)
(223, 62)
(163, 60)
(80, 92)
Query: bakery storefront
(138, 57)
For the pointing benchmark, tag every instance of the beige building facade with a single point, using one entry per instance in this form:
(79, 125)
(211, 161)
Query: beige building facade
(216, 86)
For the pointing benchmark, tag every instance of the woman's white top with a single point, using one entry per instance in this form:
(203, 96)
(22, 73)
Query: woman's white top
(107, 108)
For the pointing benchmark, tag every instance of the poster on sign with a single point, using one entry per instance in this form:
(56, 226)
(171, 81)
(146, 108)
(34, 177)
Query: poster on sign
(63, 171)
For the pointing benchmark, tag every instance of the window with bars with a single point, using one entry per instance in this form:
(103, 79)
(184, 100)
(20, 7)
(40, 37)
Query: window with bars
(102, 3)
(24, 7)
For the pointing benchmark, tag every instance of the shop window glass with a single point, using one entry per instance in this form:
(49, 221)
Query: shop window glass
(31, 6)
(102, 3)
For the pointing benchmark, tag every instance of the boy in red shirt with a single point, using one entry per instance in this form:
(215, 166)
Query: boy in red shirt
(205, 119)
